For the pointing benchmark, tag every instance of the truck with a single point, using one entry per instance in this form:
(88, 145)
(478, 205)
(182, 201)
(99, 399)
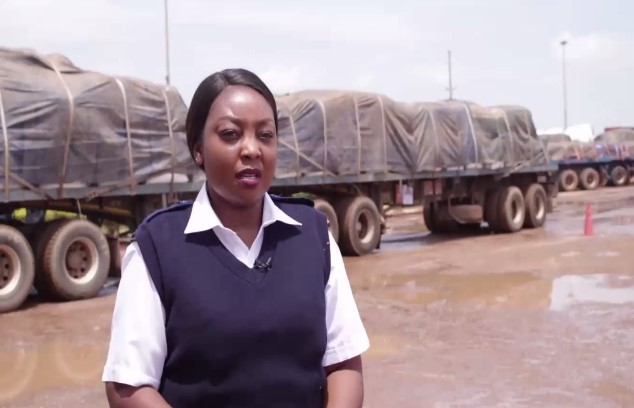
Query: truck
(607, 160)
(87, 156)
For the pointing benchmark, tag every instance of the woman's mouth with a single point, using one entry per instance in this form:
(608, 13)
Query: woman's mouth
(249, 177)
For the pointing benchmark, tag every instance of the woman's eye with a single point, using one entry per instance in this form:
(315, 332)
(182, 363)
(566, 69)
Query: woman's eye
(229, 133)
(267, 135)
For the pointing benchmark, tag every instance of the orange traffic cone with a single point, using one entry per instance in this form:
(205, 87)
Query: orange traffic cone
(588, 230)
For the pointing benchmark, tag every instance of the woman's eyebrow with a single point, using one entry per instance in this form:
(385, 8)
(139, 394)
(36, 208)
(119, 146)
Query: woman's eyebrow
(236, 120)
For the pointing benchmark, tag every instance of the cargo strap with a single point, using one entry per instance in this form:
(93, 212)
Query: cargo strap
(128, 136)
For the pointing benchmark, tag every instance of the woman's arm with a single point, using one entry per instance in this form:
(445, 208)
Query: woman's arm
(345, 384)
(126, 396)
(347, 338)
(137, 350)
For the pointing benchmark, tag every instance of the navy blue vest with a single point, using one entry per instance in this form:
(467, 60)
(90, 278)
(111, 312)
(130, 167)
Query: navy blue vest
(236, 336)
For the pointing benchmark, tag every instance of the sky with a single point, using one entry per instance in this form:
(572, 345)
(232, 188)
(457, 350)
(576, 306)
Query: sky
(503, 52)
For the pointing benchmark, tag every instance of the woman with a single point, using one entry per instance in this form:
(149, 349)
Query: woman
(239, 299)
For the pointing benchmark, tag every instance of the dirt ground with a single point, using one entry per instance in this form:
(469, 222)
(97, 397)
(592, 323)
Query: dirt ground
(539, 318)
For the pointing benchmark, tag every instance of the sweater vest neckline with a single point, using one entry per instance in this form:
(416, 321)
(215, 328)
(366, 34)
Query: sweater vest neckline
(258, 273)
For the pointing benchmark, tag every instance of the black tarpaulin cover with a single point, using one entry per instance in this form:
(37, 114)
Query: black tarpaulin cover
(67, 126)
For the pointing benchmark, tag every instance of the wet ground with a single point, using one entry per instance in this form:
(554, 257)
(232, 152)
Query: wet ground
(540, 318)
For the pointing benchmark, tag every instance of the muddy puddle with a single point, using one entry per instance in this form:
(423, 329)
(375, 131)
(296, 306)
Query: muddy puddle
(571, 290)
(611, 213)
(542, 318)
(522, 340)
(524, 290)
(42, 368)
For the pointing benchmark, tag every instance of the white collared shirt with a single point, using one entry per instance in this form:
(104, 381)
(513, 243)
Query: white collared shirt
(138, 344)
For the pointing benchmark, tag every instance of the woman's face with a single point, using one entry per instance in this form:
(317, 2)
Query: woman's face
(239, 146)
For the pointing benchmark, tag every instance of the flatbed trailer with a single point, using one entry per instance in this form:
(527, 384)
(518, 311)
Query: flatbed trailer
(608, 160)
(114, 151)
(70, 257)
(590, 174)
(507, 199)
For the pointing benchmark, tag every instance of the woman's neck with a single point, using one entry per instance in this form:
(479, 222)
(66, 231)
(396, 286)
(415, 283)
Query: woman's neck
(245, 221)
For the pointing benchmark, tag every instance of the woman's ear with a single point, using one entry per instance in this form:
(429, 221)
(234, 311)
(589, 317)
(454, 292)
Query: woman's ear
(198, 155)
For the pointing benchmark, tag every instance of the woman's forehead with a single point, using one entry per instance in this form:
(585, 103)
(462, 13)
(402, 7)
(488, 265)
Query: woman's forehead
(236, 102)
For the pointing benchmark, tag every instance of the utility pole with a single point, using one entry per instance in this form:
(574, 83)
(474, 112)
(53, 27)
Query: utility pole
(450, 88)
(563, 69)
(167, 47)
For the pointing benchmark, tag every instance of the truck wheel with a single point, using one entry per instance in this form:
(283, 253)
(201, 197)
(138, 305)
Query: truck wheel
(432, 215)
(330, 213)
(511, 209)
(360, 225)
(437, 219)
(604, 180)
(41, 236)
(569, 180)
(619, 176)
(114, 249)
(429, 218)
(76, 260)
(535, 199)
(589, 179)
(17, 268)
(491, 209)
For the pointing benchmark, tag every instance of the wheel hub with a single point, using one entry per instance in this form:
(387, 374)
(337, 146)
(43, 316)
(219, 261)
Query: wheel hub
(10, 269)
(362, 225)
(80, 259)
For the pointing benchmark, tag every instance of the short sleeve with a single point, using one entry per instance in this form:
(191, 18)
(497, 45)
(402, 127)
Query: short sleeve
(138, 347)
(347, 337)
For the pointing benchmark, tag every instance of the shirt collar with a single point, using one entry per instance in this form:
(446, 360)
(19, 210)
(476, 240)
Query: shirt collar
(204, 218)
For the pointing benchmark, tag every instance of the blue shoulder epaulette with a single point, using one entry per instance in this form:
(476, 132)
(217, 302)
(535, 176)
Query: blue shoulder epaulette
(180, 205)
(293, 200)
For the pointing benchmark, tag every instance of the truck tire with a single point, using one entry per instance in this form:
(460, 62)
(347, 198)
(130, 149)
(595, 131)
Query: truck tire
(569, 180)
(491, 208)
(41, 236)
(114, 248)
(76, 261)
(590, 179)
(17, 268)
(330, 213)
(535, 200)
(511, 209)
(619, 176)
(605, 179)
(437, 219)
(428, 218)
(359, 225)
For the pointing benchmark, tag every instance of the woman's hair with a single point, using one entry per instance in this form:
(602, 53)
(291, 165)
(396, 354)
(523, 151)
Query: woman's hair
(208, 91)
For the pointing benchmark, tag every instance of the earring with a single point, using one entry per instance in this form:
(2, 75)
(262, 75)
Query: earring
(198, 160)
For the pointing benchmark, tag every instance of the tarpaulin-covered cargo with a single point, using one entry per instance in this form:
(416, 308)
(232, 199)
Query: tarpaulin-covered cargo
(556, 137)
(65, 126)
(345, 132)
(605, 147)
(624, 138)
(572, 150)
